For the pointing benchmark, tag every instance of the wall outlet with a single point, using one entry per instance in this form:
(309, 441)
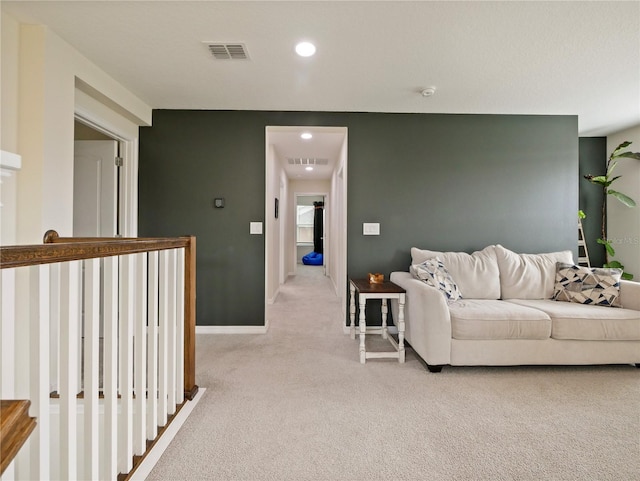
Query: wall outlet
(255, 228)
(369, 228)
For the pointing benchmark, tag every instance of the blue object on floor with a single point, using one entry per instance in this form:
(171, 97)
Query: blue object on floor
(312, 259)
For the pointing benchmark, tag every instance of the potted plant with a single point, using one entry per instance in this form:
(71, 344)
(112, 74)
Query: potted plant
(605, 182)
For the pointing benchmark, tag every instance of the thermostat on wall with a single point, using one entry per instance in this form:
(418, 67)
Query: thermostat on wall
(218, 202)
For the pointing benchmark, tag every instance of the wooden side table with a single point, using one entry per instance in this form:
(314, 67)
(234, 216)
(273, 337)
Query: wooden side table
(384, 291)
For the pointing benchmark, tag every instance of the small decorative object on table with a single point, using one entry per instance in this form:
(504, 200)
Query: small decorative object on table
(376, 278)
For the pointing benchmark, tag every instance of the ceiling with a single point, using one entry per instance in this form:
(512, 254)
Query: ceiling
(320, 153)
(509, 57)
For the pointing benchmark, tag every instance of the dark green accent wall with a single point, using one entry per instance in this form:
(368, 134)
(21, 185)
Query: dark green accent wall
(438, 181)
(593, 160)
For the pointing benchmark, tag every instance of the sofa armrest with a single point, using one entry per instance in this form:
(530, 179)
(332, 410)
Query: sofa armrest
(427, 320)
(630, 294)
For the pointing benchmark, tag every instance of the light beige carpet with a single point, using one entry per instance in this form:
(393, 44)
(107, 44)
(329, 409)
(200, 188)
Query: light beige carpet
(296, 404)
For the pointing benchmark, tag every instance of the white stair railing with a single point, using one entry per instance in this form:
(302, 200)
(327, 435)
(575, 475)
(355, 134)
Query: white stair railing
(117, 367)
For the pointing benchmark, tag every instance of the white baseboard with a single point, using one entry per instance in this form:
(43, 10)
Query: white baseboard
(150, 460)
(233, 329)
(275, 296)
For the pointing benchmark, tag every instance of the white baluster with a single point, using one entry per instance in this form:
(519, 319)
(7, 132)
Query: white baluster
(171, 334)
(54, 327)
(125, 345)
(152, 346)
(69, 357)
(180, 327)
(110, 369)
(39, 313)
(7, 334)
(163, 321)
(91, 365)
(140, 354)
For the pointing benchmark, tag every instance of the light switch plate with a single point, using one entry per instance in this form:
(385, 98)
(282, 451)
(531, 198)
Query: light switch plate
(371, 228)
(255, 228)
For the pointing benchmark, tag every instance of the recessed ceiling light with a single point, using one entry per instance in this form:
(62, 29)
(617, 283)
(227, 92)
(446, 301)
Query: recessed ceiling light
(305, 49)
(306, 135)
(308, 168)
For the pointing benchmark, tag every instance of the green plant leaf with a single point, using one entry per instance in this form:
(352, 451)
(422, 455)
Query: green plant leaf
(614, 264)
(625, 199)
(627, 276)
(614, 179)
(598, 179)
(620, 147)
(607, 245)
(581, 214)
(630, 155)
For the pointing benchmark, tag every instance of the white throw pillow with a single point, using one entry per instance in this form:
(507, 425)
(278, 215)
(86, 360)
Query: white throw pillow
(477, 275)
(418, 256)
(529, 276)
(434, 273)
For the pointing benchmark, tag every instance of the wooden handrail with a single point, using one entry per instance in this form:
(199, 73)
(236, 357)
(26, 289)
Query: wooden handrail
(64, 249)
(15, 428)
(68, 249)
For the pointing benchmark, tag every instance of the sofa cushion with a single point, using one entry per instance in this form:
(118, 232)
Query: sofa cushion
(597, 286)
(528, 276)
(476, 275)
(585, 322)
(493, 319)
(434, 273)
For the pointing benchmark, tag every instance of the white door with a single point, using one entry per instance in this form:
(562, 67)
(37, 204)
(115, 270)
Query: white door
(95, 188)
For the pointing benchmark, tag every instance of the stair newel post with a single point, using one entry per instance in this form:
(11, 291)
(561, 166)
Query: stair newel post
(190, 387)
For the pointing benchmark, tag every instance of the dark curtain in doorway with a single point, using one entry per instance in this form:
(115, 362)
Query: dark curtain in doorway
(318, 226)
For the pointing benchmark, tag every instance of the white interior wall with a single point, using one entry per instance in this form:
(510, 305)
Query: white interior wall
(284, 220)
(288, 239)
(41, 104)
(10, 162)
(9, 85)
(338, 223)
(623, 223)
(272, 225)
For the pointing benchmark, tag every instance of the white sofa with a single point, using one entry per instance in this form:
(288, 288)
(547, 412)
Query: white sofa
(507, 316)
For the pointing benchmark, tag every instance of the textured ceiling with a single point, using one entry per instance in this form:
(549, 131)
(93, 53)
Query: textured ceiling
(509, 57)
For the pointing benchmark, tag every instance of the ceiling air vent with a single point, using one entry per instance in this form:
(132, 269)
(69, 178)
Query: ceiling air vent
(228, 51)
(307, 161)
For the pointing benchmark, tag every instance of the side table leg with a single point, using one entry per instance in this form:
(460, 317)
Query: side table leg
(401, 300)
(385, 310)
(363, 330)
(352, 311)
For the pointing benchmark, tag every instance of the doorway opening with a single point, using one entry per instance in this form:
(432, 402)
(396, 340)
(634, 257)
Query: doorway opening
(96, 182)
(310, 227)
(301, 170)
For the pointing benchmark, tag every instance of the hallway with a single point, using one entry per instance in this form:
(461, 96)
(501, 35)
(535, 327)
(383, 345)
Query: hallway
(308, 296)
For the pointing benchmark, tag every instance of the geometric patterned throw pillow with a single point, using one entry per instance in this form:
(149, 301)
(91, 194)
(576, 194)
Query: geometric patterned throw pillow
(434, 273)
(598, 286)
